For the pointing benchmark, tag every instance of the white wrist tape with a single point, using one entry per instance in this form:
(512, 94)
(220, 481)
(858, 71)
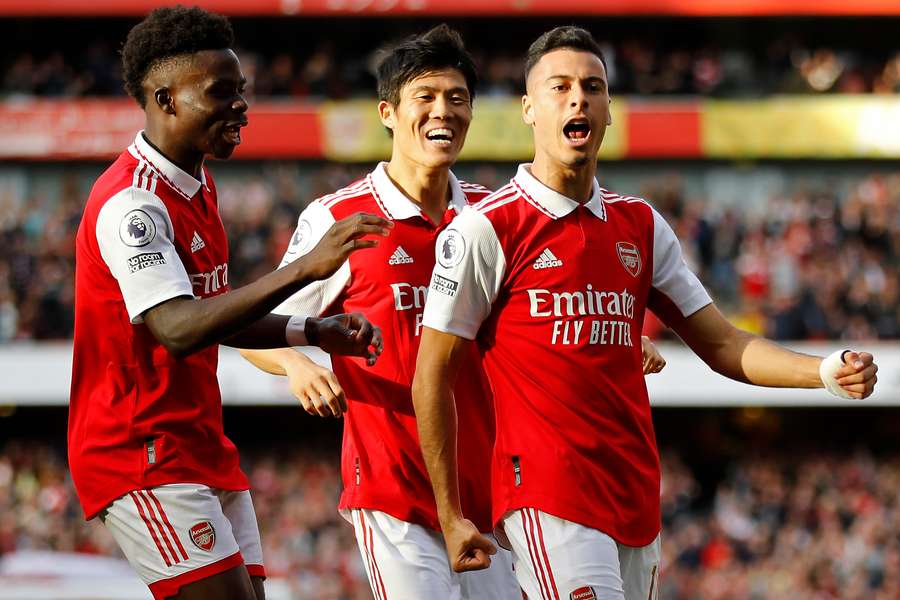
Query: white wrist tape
(295, 332)
(830, 365)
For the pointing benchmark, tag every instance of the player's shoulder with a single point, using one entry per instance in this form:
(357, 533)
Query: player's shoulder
(359, 195)
(507, 196)
(474, 192)
(129, 182)
(623, 202)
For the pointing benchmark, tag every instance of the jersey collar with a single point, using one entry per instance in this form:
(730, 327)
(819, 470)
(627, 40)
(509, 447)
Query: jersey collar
(172, 174)
(552, 202)
(396, 205)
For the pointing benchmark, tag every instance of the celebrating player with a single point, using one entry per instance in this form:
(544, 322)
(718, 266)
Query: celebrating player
(426, 86)
(552, 275)
(147, 450)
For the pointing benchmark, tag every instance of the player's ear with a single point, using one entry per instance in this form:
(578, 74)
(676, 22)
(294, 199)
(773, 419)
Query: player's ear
(527, 110)
(164, 100)
(386, 114)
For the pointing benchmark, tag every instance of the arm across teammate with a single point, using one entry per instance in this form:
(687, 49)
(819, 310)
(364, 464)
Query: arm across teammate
(184, 325)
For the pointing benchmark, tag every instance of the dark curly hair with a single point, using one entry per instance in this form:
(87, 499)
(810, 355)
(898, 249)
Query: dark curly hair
(437, 48)
(168, 33)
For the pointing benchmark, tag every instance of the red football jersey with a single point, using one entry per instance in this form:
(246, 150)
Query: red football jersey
(139, 417)
(555, 294)
(381, 462)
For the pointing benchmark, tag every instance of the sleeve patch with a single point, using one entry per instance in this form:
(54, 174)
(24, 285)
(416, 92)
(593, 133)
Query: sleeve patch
(444, 286)
(137, 229)
(451, 247)
(147, 259)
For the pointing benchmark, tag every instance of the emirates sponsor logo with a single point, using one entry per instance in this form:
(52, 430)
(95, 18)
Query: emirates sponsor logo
(211, 282)
(583, 593)
(400, 257)
(203, 534)
(547, 260)
(630, 257)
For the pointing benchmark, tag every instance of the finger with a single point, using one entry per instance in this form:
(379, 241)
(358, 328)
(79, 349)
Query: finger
(307, 404)
(336, 390)
(475, 561)
(864, 375)
(318, 404)
(356, 245)
(363, 328)
(377, 340)
(851, 359)
(328, 399)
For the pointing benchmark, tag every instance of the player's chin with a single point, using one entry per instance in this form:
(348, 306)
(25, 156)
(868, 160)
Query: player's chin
(223, 150)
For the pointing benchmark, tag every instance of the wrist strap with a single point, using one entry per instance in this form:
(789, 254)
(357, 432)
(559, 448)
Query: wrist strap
(295, 331)
(829, 366)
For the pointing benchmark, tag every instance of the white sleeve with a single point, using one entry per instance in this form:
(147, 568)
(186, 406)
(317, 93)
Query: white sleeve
(467, 275)
(136, 240)
(316, 297)
(673, 281)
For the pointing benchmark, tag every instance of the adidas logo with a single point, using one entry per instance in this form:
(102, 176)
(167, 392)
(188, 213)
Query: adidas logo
(400, 257)
(546, 260)
(197, 243)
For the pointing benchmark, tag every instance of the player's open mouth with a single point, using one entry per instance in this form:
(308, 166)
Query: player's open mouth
(577, 132)
(441, 137)
(232, 132)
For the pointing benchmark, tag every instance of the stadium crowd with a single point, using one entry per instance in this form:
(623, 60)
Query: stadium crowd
(635, 67)
(822, 262)
(801, 526)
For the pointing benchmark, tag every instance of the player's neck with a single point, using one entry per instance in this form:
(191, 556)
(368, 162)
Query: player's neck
(576, 182)
(188, 161)
(428, 188)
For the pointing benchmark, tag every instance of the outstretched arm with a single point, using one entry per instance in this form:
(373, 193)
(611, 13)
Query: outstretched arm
(184, 325)
(745, 357)
(437, 366)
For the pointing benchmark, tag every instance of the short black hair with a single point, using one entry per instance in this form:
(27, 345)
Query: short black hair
(567, 36)
(437, 48)
(168, 33)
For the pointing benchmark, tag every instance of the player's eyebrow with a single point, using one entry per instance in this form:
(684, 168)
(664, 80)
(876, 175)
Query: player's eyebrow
(434, 90)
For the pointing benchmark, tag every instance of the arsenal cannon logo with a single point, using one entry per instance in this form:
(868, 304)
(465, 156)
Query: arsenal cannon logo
(630, 257)
(203, 534)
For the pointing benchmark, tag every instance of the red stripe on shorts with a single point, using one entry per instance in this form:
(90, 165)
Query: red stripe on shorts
(538, 570)
(537, 518)
(375, 562)
(168, 524)
(140, 508)
(143, 495)
(365, 536)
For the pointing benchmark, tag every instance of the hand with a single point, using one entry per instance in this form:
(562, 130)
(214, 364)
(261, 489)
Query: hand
(858, 375)
(316, 388)
(346, 334)
(653, 360)
(342, 239)
(467, 549)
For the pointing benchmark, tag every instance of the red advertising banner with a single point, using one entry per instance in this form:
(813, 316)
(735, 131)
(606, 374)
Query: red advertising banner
(101, 129)
(463, 7)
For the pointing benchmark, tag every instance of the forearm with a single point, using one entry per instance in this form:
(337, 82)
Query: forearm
(276, 361)
(436, 419)
(745, 357)
(185, 326)
(435, 409)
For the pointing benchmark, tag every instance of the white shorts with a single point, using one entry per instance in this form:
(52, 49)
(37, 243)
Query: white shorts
(405, 561)
(557, 559)
(180, 533)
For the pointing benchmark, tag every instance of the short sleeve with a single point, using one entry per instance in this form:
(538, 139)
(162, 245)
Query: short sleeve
(136, 240)
(676, 292)
(468, 272)
(314, 298)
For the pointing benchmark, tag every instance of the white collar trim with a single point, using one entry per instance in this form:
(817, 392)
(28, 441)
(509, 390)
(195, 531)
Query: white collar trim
(552, 202)
(171, 173)
(395, 203)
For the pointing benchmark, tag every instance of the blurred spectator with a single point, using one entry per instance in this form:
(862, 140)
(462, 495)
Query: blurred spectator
(635, 66)
(792, 525)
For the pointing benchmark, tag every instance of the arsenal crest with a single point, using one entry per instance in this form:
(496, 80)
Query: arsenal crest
(630, 257)
(203, 534)
(583, 593)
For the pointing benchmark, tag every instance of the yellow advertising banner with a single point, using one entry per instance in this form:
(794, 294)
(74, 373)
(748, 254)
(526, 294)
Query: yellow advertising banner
(802, 127)
(352, 132)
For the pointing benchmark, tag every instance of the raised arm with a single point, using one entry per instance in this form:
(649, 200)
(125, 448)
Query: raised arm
(437, 367)
(745, 357)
